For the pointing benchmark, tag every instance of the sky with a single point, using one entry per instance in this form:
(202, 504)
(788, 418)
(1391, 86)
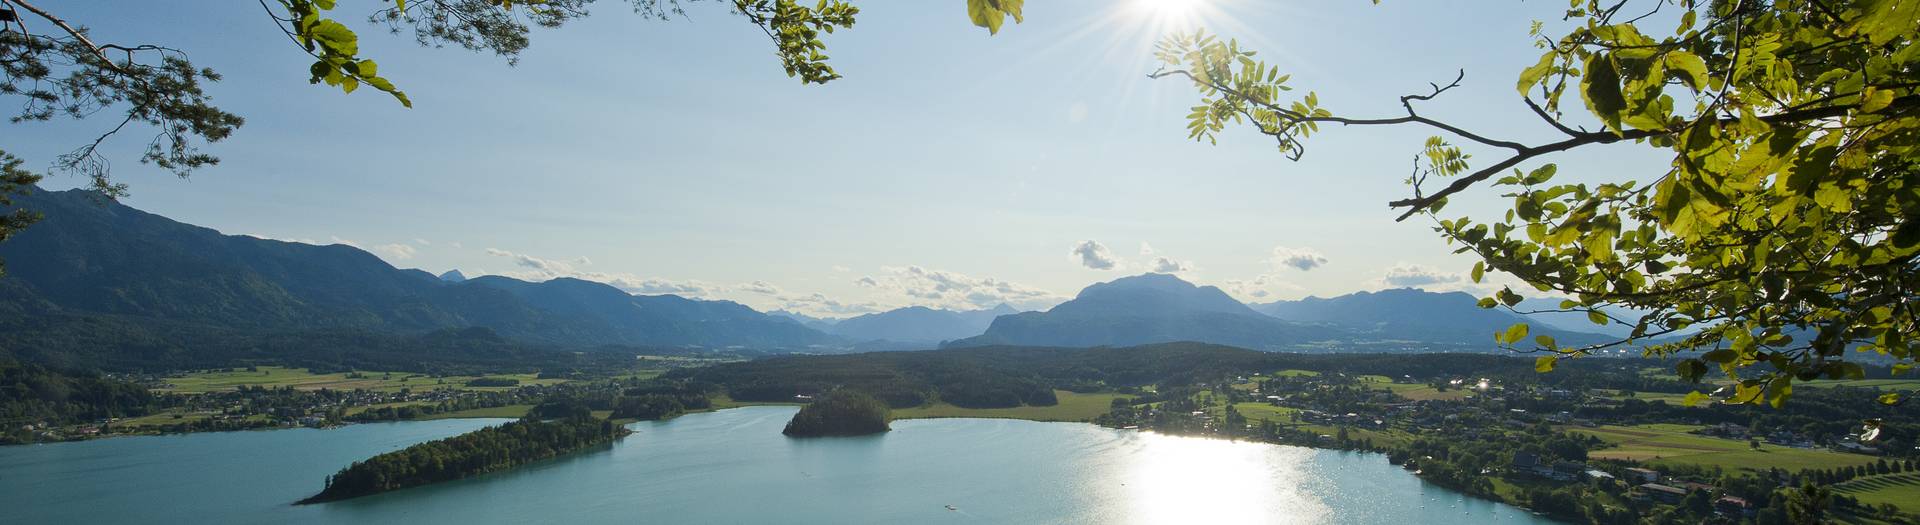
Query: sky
(949, 168)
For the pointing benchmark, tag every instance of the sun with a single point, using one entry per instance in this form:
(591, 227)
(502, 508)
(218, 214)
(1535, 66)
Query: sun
(1168, 9)
(1171, 15)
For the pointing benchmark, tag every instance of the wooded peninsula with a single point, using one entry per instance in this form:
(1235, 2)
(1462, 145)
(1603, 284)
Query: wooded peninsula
(478, 452)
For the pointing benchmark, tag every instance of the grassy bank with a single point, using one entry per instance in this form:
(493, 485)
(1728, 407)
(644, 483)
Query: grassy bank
(1675, 445)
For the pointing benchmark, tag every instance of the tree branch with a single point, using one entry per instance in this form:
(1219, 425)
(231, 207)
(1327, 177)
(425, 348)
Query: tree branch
(76, 33)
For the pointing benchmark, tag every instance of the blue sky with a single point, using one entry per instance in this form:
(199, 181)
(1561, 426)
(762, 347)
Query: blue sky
(949, 168)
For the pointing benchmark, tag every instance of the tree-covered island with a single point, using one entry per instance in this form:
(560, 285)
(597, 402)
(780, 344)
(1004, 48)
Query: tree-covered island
(840, 413)
(481, 451)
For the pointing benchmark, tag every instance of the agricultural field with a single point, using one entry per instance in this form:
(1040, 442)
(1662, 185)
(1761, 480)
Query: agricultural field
(1668, 444)
(1072, 407)
(301, 379)
(1660, 397)
(1423, 392)
(1880, 384)
(1900, 490)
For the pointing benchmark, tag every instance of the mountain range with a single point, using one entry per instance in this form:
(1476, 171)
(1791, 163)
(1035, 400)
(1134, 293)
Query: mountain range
(919, 324)
(96, 277)
(90, 258)
(1407, 314)
(1150, 308)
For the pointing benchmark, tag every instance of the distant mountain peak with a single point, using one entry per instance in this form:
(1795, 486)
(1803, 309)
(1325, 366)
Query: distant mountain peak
(454, 276)
(1151, 292)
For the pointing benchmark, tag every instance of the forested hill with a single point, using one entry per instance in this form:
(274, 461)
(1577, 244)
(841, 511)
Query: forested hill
(1008, 376)
(154, 283)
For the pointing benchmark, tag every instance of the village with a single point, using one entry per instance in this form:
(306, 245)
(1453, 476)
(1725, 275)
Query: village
(1526, 443)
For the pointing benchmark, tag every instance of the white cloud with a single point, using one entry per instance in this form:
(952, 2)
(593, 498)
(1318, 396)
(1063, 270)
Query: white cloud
(1303, 259)
(394, 252)
(1263, 287)
(422, 242)
(542, 269)
(1415, 275)
(1146, 249)
(1095, 255)
(550, 267)
(759, 287)
(693, 289)
(841, 269)
(821, 306)
(950, 290)
(1168, 265)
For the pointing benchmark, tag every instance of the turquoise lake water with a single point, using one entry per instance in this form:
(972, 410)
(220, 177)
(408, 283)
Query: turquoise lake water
(733, 466)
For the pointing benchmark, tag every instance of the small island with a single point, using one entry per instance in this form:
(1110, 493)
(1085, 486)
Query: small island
(481, 451)
(840, 413)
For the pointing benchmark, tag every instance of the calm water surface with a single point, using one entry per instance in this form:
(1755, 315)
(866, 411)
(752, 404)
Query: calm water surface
(733, 466)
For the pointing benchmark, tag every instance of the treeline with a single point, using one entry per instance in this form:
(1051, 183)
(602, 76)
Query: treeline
(1882, 467)
(658, 400)
(1004, 376)
(478, 452)
(900, 379)
(31, 394)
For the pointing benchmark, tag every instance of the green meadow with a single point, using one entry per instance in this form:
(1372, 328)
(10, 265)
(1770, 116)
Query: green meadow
(301, 379)
(1669, 444)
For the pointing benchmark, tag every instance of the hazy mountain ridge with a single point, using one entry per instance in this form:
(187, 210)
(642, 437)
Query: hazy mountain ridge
(88, 257)
(1417, 315)
(1146, 309)
(919, 324)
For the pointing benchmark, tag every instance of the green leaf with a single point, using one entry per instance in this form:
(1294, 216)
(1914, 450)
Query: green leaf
(1908, 235)
(1479, 270)
(1873, 100)
(1691, 369)
(991, 14)
(1721, 356)
(1545, 363)
(1601, 88)
(1780, 390)
(1507, 297)
(1533, 74)
(1690, 68)
(1513, 334)
(1598, 318)
(1694, 399)
(1889, 399)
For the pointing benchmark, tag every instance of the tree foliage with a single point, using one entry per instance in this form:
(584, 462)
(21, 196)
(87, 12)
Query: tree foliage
(840, 413)
(478, 452)
(14, 181)
(1783, 229)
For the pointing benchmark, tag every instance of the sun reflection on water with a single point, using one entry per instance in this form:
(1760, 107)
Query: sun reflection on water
(1193, 480)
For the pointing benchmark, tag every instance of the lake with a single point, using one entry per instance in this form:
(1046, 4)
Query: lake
(733, 466)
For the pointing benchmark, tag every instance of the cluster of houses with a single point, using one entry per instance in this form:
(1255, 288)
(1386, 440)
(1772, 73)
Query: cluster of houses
(1652, 490)
(1647, 484)
(1787, 438)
